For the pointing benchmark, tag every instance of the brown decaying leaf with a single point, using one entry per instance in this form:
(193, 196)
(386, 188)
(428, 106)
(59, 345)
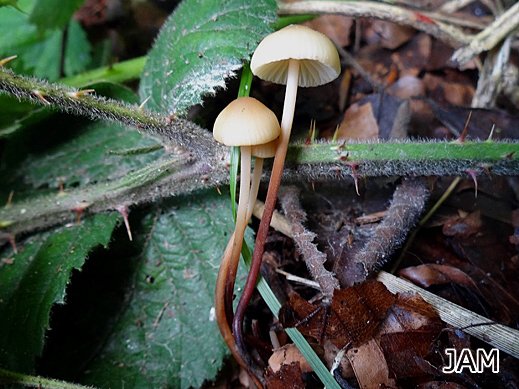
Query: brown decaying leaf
(336, 27)
(370, 367)
(452, 89)
(436, 274)
(411, 59)
(408, 336)
(390, 35)
(287, 355)
(359, 123)
(288, 377)
(464, 225)
(351, 319)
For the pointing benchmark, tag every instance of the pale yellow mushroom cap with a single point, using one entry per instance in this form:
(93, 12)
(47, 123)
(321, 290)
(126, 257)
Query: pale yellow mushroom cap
(266, 150)
(246, 122)
(319, 60)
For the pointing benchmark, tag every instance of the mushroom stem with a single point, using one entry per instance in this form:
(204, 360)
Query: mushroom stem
(241, 224)
(270, 201)
(254, 187)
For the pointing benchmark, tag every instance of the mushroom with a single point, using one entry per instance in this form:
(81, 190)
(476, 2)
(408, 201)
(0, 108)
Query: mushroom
(247, 123)
(295, 55)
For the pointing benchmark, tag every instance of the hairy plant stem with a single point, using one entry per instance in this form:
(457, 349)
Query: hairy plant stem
(10, 377)
(170, 131)
(165, 178)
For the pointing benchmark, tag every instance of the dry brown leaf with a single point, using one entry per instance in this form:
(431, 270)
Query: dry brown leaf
(370, 367)
(391, 35)
(413, 57)
(359, 123)
(436, 274)
(287, 355)
(336, 27)
(352, 318)
(463, 226)
(408, 335)
(455, 92)
(288, 377)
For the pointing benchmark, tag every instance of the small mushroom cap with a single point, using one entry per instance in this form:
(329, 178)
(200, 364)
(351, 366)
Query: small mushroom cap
(319, 60)
(266, 150)
(246, 122)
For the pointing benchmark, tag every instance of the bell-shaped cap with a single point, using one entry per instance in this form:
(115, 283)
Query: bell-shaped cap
(246, 122)
(319, 60)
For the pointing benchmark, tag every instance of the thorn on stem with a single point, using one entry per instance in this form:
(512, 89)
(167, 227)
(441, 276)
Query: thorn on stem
(77, 95)
(465, 131)
(141, 106)
(6, 60)
(123, 210)
(335, 134)
(473, 174)
(312, 133)
(489, 139)
(354, 173)
(9, 199)
(12, 241)
(79, 209)
(40, 96)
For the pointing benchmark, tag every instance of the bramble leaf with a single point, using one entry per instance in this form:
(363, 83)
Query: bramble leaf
(199, 46)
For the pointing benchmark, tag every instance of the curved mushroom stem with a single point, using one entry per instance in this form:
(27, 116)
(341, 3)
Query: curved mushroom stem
(270, 201)
(222, 318)
(228, 268)
(239, 229)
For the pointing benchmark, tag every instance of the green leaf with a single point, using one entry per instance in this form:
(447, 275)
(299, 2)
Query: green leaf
(19, 37)
(77, 50)
(167, 337)
(50, 14)
(12, 3)
(74, 153)
(36, 280)
(43, 56)
(200, 45)
(40, 52)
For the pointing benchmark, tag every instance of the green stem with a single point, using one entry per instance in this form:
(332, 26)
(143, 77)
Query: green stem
(10, 377)
(117, 73)
(171, 131)
(159, 179)
(406, 158)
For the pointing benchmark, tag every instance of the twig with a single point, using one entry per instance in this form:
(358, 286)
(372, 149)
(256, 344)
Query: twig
(491, 82)
(170, 131)
(301, 280)
(280, 223)
(422, 21)
(406, 206)
(497, 335)
(487, 39)
(454, 5)
(303, 238)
